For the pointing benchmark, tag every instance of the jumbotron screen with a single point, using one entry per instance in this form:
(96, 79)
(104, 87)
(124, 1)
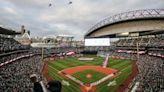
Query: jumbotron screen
(97, 42)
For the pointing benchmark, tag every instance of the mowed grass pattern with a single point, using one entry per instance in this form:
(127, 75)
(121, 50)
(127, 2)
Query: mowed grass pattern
(124, 66)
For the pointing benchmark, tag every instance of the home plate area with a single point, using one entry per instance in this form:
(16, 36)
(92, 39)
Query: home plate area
(88, 77)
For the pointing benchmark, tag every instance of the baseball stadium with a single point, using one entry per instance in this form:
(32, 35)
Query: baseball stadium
(82, 76)
(121, 53)
(107, 70)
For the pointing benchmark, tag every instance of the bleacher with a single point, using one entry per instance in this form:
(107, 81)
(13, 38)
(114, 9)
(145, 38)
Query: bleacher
(16, 64)
(9, 45)
(143, 42)
(150, 64)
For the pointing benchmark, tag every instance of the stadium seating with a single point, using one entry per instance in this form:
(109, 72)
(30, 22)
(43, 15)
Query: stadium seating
(9, 44)
(150, 75)
(144, 42)
(14, 77)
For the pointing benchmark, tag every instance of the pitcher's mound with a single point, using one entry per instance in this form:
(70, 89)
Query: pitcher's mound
(89, 76)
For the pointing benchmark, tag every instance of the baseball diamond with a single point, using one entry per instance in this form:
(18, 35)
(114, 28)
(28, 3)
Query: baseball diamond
(70, 68)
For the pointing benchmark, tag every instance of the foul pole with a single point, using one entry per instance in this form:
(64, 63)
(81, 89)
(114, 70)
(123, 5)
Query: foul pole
(42, 54)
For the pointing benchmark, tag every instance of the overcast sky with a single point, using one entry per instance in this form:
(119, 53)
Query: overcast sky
(63, 18)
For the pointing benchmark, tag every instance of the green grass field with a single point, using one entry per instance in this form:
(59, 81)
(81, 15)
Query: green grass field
(95, 76)
(124, 66)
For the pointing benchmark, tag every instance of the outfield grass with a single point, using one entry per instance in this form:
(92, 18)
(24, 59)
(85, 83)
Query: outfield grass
(124, 66)
(125, 72)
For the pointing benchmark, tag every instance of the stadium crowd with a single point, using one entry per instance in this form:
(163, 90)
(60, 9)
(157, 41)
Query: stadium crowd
(151, 72)
(9, 44)
(5, 58)
(14, 77)
(150, 41)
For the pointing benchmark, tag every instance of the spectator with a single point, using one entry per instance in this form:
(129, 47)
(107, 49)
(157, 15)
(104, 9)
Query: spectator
(54, 86)
(37, 85)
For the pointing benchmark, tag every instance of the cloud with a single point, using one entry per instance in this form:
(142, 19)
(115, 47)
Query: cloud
(75, 19)
(10, 10)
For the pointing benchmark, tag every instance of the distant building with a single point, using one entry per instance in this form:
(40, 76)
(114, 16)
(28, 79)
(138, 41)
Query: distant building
(24, 38)
(46, 42)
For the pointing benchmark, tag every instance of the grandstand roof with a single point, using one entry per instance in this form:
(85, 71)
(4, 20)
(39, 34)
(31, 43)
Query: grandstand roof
(146, 14)
(8, 31)
(143, 33)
